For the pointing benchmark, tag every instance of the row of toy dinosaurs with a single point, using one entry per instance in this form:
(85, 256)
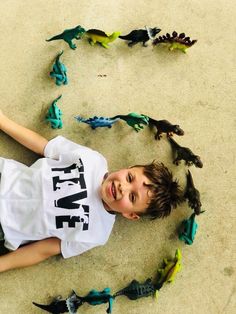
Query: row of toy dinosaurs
(173, 41)
(137, 122)
(133, 291)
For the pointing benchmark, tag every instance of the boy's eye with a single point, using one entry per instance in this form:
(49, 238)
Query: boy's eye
(130, 177)
(132, 197)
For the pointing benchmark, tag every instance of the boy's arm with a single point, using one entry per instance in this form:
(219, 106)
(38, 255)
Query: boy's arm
(24, 136)
(30, 254)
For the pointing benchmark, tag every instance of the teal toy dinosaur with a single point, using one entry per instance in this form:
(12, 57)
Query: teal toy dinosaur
(54, 115)
(94, 297)
(96, 36)
(188, 230)
(69, 34)
(59, 71)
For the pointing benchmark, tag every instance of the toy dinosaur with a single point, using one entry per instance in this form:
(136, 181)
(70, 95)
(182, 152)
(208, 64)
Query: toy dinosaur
(192, 195)
(96, 122)
(170, 269)
(72, 303)
(136, 290)
(164, 126)
(97, 36)
(180, 42)
(94, 297)
(59, 71)
(184, 153)
(134, 120)
(57, 306)
(54, 115)
(188, 230)
(141, 35)
(69, 34)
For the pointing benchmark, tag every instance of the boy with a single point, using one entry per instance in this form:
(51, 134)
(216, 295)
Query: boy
(65, 203)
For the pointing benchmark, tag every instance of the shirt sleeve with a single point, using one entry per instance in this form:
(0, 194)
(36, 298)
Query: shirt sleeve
(69, 249)
(58, 146)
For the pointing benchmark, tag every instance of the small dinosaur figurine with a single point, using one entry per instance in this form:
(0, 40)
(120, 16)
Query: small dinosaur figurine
(72, 303)
(96, 122)
(59, 71)
(134, 120)
(184, 153)
(141, 35)
(95, 297)
(192, 195)
(170, 268)
(69, 34)
(180, 42)
(97, 36)
(57, 306)
(136, 290)
(188, 230)
(54, 115)
(164, 126)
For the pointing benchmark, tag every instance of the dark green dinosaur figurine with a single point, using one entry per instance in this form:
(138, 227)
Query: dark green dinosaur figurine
(136, 290)
(69, 34)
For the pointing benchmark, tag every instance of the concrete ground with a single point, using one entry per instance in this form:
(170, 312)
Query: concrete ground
(195, 90)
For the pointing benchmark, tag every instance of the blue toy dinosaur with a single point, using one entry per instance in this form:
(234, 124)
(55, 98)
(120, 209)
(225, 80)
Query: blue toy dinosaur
(59, 71)
(69, 34)
(54, 115)
(96, 122)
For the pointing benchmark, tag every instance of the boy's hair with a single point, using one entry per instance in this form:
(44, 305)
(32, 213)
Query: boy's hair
(165, 191)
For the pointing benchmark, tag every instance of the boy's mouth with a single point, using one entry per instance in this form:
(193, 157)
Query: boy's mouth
(113, 190)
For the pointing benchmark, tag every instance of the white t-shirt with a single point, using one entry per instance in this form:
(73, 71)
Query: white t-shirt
(57, 196)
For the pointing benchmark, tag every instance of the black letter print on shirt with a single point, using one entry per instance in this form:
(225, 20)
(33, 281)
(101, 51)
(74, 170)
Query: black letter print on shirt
(70, 201)
(71, 220)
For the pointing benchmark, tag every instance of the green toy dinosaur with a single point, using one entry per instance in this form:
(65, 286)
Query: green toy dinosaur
(96, 36)
(134, 120)
(69, 34)
(170, 269)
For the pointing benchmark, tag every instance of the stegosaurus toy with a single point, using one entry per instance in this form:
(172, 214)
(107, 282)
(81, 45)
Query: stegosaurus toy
(180, 42)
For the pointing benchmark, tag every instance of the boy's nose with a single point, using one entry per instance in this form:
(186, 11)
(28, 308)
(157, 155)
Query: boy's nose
(124, 188)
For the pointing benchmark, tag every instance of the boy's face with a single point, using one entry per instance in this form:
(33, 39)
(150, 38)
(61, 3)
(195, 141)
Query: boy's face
(124, 192)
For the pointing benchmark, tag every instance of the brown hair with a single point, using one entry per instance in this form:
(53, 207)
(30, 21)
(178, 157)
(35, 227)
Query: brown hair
(165, 191)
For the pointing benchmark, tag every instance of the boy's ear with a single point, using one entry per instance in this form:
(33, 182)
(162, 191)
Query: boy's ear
(131, 216)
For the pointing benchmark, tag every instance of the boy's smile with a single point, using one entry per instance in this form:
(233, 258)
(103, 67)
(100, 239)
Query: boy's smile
(125, 192)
